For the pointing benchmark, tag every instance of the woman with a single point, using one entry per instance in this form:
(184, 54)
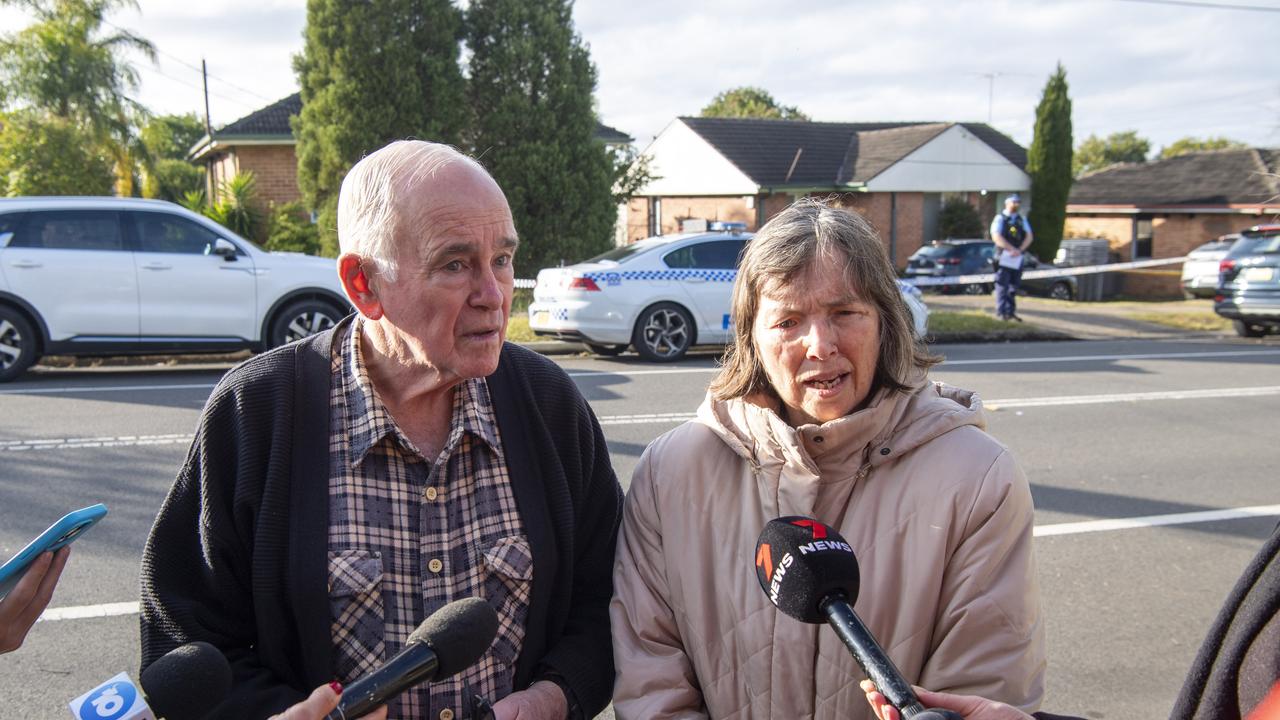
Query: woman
(823, 408)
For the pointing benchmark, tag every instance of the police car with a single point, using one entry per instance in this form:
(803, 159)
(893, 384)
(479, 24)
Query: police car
(661, 295)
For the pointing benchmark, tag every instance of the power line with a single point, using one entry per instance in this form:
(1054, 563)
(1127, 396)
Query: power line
(1210, 5)
(196, 68)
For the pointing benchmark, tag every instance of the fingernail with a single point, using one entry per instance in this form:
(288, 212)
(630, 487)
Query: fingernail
(336, 687)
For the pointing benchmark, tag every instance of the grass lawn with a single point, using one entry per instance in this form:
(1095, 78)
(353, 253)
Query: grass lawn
(518, 329)
(1191, 321)
(972, 321)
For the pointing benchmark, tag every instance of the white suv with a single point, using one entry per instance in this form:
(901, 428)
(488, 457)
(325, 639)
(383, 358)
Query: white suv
(116, 276)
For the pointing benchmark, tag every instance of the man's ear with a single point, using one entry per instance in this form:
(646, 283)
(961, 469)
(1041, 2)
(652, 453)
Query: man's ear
(356, 284)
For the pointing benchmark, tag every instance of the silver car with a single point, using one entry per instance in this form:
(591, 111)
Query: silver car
(1200, 271)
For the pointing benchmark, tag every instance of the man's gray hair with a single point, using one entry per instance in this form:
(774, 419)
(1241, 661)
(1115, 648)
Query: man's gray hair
(374, 199)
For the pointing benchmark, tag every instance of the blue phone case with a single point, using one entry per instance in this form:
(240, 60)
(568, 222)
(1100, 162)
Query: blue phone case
(63, 532)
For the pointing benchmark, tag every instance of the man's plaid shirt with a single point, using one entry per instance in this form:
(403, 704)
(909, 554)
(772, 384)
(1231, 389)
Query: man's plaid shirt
(408, 535)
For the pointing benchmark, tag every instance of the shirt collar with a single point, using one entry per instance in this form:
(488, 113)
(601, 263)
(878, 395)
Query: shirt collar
(369, 421)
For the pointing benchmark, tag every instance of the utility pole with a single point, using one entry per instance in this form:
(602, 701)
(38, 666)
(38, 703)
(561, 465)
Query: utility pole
(204, 73)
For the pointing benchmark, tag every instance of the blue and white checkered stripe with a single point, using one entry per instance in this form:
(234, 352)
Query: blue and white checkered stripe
(561, 314)
(614, 279)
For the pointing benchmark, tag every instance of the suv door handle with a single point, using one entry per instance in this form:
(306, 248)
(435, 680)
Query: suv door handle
(157, 266)
(695, 279)
(27, 264)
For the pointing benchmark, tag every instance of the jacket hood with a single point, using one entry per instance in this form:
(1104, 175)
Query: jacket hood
(894, 424)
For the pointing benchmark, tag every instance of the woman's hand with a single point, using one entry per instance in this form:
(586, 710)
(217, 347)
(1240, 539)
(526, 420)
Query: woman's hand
(321, 702)
(20, 609)
(971, 707)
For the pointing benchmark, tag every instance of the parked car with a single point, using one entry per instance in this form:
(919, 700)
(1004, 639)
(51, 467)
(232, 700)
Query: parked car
(662, 296)
(1249, 282)
(951, 258)
(1200, 271)
(1058, 288)
(115, 276)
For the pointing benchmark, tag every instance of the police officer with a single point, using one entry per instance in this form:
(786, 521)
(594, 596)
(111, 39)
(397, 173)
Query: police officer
(1012, 235)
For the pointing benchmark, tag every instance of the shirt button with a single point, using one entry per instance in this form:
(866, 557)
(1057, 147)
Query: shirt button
(435, 565)
(432, 493)
(446, 714)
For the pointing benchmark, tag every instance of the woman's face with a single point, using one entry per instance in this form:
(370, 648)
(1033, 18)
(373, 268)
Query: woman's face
(818, 342)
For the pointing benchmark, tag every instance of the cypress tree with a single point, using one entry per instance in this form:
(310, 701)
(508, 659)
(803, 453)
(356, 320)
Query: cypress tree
(531, 88)
(370, 73)
(1049, 165)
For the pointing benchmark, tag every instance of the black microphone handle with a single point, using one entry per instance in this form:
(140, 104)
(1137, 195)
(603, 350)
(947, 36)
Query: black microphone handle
(870, 656)
(412, 665)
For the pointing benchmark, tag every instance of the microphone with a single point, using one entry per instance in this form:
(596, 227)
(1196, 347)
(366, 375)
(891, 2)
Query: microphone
(810, 573)
(184, 684)
(452, 639)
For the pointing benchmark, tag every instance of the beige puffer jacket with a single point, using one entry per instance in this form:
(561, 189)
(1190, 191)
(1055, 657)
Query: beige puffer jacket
(937, 511)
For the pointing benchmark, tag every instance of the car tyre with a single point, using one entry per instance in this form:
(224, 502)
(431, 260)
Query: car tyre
(1249, 330)
(302, 319)
(18, 344)
(1060, 291)
(607, 350)
(664, 333)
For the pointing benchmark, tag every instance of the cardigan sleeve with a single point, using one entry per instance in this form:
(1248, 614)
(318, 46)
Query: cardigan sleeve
(583, 655)
(196, 578)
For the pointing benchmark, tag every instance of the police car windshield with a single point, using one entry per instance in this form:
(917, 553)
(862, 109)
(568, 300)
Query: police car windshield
(626, 252)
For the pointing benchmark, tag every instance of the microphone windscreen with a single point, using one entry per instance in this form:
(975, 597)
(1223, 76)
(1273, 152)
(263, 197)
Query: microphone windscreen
(800, 562)
(187, 682)
(459, 633)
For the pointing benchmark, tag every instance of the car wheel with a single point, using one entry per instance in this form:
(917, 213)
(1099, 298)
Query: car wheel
(1060, 291)
(17, 344)
(607, 350)
(302, 319)
(663, 333)
(1244, 329)
(974, 289)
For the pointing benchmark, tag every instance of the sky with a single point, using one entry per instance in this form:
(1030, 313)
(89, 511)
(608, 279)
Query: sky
(1167, 69)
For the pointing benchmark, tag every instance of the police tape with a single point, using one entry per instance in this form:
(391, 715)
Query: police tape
(931, 281)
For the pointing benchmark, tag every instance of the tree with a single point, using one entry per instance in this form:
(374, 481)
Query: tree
(533, 123)
(167, 139)
(49, 156)
(1096, 153)
(371, 73)
(750, 102)
(63, 66)
(1049, 165)
(958, 219)
(1191, 144)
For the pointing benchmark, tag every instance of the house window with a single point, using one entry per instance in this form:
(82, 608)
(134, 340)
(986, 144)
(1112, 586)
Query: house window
(1142, 238)
(655, 216)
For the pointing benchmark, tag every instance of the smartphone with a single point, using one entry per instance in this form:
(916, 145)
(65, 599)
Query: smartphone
(65, 531)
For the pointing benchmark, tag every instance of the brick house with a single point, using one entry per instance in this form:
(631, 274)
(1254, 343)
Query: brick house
(896, 174)
(1166, 208)
(263, 143)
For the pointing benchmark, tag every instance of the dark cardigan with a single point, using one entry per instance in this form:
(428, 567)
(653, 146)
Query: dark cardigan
(1239, 661)
(238, 553)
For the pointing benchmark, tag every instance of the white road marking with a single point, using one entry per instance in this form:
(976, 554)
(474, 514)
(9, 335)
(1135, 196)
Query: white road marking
(80, 612)
(698, 370)
(1093, 358)
(98, 442)
(679, 417)
(1187, 518)
(100, 389)
(1207, 393)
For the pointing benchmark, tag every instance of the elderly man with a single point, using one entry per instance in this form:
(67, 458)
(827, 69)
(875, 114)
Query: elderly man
(341, 489)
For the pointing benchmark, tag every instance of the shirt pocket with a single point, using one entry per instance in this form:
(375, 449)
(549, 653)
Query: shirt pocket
(508, 586)
(356, 612)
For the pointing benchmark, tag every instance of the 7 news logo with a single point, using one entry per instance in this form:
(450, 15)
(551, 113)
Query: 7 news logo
(115, 699)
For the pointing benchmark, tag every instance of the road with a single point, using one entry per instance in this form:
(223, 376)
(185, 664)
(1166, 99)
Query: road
(1116, 429)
